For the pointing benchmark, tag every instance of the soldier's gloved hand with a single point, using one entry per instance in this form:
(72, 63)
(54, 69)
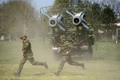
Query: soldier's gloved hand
(67, 52)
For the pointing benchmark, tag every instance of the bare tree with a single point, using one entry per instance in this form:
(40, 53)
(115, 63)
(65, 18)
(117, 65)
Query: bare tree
(18, 18)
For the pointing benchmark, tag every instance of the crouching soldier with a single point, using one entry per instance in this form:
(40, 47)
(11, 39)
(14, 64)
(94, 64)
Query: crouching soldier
(66, 50)
(27, 55)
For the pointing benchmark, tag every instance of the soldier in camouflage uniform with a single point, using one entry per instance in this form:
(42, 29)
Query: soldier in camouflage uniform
(27, 55)
(66, 50)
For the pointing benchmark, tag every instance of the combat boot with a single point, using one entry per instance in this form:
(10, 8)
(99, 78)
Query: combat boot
(46, 66)
(56, 73)
(16, 74)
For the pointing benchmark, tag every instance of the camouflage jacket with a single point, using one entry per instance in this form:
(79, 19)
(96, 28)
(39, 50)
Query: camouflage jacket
(26, 47)
(66, 46)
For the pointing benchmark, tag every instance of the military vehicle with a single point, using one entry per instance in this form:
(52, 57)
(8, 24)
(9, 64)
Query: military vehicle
(70, 21)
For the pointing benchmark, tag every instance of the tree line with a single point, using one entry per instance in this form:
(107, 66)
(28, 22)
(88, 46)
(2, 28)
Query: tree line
(18, 17)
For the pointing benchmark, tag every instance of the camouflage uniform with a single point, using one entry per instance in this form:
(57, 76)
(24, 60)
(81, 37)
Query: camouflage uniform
(66, 50)
(27, 55)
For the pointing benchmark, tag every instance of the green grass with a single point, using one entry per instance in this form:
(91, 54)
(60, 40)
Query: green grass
(105, 64)
(107, 50)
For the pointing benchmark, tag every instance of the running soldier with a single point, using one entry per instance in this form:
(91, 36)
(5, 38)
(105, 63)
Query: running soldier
(27, 55)
(66, 48)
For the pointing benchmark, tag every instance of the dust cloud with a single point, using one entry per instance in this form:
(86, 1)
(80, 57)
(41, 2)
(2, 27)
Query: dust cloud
(42, 51)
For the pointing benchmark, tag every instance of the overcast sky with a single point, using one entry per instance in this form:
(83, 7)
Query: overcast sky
(42, 3)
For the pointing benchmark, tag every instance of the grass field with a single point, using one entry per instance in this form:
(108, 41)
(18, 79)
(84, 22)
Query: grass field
(105, 64)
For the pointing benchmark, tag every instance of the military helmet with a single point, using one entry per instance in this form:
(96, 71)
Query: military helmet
(62, 37)
(23, 37)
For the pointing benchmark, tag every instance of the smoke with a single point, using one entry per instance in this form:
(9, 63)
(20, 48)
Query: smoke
(42, 51)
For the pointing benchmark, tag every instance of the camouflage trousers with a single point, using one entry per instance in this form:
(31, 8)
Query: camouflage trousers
(67, 58)
(31, 60)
